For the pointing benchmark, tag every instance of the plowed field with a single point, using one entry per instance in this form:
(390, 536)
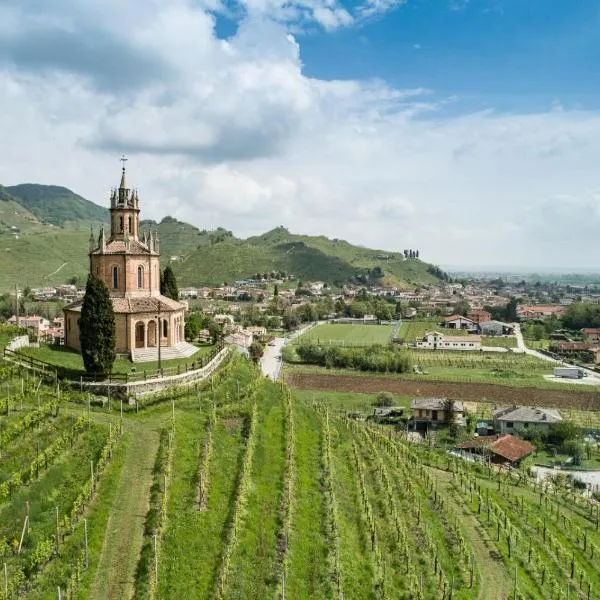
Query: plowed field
(477, 392)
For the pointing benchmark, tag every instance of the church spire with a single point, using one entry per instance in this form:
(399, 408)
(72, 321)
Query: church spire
(123, 184)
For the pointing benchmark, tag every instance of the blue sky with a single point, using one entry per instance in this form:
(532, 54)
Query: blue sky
(467, 129)
(514, 55)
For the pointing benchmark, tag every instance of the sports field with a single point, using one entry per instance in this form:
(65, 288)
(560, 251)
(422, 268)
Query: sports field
(338, 334)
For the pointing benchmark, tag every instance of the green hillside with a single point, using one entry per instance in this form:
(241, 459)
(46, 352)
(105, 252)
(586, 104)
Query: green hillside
(44, 232)
(41, 259)
(57, 205)
(16, 219)
(307, 257)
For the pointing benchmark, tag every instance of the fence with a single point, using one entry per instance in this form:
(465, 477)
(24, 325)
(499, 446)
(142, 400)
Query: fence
(60, 372)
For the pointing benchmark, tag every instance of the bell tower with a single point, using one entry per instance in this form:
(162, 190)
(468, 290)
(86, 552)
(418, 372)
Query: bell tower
(124, 210)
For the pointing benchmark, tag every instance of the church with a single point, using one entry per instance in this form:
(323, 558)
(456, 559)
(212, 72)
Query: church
(129, 265)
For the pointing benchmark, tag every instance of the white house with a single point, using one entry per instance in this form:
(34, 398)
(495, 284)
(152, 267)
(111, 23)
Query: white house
(459, 322)
(434, 340)
(511, 419)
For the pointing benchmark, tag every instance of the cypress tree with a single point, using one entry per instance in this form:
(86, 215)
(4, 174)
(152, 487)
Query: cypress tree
(97, 332)
(168, 284)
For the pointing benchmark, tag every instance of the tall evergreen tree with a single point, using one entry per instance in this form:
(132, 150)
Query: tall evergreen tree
(97, 332)
(168, 284)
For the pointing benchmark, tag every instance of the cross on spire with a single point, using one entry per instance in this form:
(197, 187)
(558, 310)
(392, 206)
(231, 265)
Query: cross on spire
(123, 159)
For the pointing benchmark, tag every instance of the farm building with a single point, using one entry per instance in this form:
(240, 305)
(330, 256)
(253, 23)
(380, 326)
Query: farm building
(495, 328)
(459, 322)
(587, 352)
(429, 411)
(500, 449)
(508, 420)
(434, 340)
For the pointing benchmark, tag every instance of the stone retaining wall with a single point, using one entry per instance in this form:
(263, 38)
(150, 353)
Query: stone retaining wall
(150, 386)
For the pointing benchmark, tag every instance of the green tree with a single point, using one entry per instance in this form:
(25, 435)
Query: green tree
(193, 324)
(256, 350)
(168, 284)
(97, 332)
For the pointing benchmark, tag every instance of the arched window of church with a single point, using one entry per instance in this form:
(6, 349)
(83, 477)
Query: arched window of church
(115, 277)
(121, 224)
(165, 328)
(140, 275)
(130, 225)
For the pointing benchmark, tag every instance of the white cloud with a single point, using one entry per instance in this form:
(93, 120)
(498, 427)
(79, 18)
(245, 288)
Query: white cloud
(233, 133)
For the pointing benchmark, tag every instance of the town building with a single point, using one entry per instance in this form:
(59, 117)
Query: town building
(478, 315)
(129, 264)
(434, 340)
(591, 335)
(541, 311)
(511, 419)
(35, 323)
(436, 411)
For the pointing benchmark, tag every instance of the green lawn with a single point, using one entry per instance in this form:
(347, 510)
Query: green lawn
(347, 401)
(70, 359)
(507, 341)
(410, 330)
(509, 369)
(340, 334)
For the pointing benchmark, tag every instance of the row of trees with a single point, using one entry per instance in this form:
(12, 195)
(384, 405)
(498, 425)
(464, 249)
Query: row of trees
(372, 358)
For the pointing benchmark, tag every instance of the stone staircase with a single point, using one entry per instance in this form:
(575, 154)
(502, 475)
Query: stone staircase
(181, 350)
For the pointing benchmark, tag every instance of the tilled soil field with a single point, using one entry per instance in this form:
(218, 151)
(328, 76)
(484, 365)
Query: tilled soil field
(474, 392)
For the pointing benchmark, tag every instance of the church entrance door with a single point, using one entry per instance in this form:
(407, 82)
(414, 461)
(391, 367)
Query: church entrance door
(140, 335)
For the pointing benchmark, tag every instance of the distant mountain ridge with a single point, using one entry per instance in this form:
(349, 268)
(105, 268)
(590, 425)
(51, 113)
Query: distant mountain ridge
(44, 232)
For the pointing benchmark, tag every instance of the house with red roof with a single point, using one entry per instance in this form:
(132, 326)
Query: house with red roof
(500, 449)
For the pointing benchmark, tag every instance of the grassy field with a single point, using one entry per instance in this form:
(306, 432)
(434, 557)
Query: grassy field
(70, 359)
(197, 486)
(410, 330)
(507, 341)
(340, 334)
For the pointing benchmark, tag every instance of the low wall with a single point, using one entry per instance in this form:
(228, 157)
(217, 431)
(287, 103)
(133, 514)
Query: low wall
(19, 342)
(150, 386)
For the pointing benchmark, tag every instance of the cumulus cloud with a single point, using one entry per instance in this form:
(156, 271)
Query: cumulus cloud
(233, 133)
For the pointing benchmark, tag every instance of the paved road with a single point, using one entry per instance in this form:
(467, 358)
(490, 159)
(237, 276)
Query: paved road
(271, 362)
(523, 348)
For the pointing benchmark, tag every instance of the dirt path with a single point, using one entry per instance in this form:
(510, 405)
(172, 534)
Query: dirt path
(57, 270)
(493, 576)
(124, 531)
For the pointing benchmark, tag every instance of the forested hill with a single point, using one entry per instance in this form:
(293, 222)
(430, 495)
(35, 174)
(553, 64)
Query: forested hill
(57, 205)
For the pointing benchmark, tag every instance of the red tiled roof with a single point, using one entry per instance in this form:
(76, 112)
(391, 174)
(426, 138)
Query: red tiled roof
(137, 305)
(506, 446)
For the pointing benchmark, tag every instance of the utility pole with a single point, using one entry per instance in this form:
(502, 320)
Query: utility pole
(17, 304)
(159, 332)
